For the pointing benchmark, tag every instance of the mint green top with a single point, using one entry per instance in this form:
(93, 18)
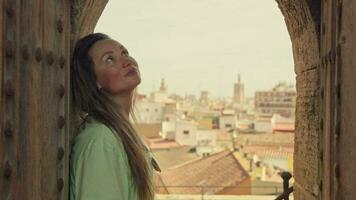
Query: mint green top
(99, 168)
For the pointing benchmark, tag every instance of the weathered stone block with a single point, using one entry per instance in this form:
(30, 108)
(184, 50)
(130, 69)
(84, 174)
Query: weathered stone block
(303, 25)
(306, 156)
(301, 194)
(306, 50)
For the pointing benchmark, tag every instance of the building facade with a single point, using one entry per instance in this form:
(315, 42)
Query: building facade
(186, 132)
(227, 120)
(149, 112)
(280, 100)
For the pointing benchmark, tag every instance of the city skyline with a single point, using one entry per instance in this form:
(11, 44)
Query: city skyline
(203, 46)
(198, 95)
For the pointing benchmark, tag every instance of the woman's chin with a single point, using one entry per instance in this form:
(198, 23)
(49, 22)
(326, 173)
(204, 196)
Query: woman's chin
(135, 81)
(125, 90)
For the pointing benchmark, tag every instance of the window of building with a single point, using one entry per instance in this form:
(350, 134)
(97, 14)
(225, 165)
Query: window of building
(227, 125)
(186, 132)
(206, 154)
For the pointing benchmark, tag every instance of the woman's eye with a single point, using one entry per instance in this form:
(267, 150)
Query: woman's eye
(125, 53)
(109, 59)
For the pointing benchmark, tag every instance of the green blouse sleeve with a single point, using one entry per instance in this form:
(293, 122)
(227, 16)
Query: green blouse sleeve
(100, 168)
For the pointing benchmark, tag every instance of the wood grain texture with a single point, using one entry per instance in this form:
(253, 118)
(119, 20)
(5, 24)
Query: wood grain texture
(2, 97)
(346, 152)
(10, 103)
(34, 109)
(85, 15)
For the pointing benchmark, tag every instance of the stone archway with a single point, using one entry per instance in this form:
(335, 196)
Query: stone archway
(322, 35)
(303, 22)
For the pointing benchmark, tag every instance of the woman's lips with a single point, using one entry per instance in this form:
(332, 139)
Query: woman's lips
(131, 72)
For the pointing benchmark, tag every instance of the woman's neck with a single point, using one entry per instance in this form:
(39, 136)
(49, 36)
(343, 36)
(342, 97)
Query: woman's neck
(124, 102)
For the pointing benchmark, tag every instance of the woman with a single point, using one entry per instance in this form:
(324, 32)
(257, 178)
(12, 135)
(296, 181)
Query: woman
(109, 160)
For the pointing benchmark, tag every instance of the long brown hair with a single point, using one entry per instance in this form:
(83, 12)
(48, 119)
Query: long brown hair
(98, 104)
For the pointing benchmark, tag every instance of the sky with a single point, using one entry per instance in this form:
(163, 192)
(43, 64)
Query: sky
(200, 45)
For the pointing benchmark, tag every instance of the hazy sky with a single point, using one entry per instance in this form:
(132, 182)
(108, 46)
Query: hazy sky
(203, 44)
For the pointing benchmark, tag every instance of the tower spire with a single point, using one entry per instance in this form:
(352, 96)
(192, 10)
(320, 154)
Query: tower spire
(239, 91)
(163, 87)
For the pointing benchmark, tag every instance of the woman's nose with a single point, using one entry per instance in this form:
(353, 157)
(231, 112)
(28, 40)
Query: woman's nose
(128, 63)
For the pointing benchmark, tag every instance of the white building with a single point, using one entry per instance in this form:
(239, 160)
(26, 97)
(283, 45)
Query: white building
(206, 142)
(183, 132)
(170, 106)
(227, 120)
(186, 132)
(282, 124)
(161, 95)
(149, 112)
(168, 130)
(170, 117)
(263, 124)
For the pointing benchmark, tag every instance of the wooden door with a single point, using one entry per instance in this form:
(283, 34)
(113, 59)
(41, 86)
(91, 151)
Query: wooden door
(34, 70)
(338, 97)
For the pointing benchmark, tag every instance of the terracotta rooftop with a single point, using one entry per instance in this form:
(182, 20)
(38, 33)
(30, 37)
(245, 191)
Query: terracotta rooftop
(266, 138)
(270, 154)
(220, 169)
(148, 130)
(161, 143)
(288, 127)
(267, 152)
(222, 135)
(180, 154)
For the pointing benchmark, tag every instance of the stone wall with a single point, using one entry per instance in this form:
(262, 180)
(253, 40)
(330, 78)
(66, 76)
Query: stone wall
(302, 19)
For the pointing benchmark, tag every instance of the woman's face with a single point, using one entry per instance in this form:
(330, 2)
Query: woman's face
(116, 71)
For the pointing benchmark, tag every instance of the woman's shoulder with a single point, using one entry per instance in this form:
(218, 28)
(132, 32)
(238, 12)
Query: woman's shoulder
(96, 133)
